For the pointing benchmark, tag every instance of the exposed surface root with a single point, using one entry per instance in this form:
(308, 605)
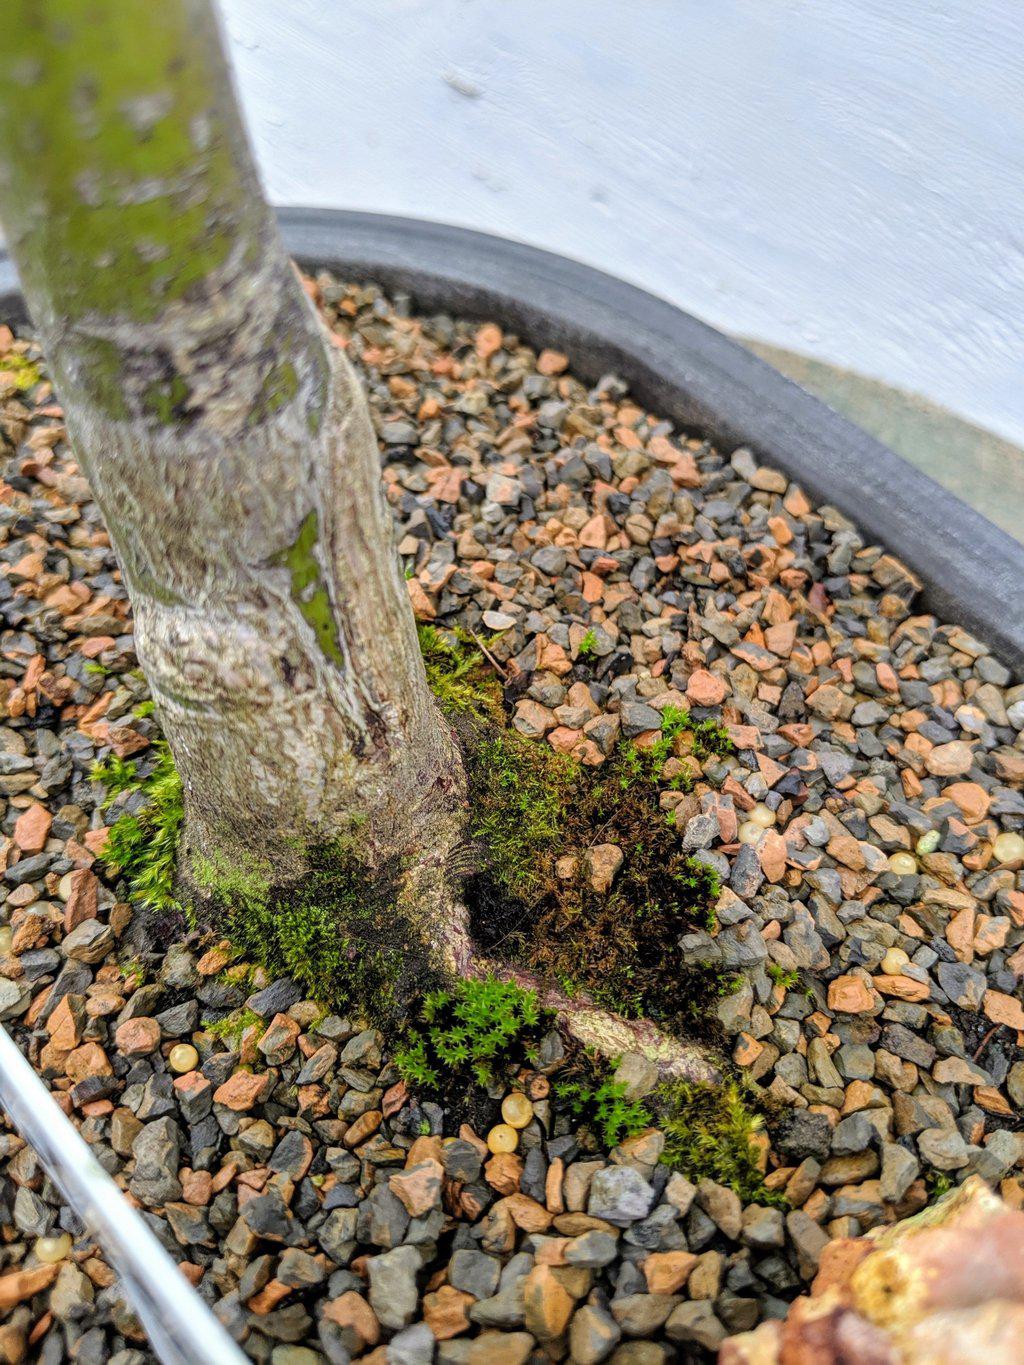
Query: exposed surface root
(593, 1027)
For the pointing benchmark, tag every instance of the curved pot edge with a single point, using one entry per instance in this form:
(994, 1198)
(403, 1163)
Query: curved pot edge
(683, 369)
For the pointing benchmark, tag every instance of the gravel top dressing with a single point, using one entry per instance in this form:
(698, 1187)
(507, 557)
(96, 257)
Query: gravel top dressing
(826, 786)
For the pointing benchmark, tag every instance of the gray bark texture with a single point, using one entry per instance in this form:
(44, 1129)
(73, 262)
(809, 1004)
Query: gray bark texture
(231, 452)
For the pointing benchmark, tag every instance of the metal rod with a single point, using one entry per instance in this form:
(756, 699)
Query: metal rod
(181, 1328)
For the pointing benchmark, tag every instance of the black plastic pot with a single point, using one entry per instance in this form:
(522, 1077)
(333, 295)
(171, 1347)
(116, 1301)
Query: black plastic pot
(973, 573)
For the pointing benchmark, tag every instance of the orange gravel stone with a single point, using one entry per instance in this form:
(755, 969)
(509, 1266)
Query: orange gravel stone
(446, 1312)
(850, 995)
(667, 1271)
(1003, 1009)
(32, 828)
(364, 1127)
(138, 1037)
(351, 1310)
(241, 1091)
(706, 689)
(901, 987)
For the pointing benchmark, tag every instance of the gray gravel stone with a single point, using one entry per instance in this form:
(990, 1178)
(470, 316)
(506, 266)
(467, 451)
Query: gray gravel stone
(393, 1293)
(620, 1195)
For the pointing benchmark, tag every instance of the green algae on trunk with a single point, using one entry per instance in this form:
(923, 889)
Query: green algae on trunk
(226, 441)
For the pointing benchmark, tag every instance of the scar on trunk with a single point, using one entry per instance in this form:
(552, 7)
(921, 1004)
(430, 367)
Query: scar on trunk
(309, 587)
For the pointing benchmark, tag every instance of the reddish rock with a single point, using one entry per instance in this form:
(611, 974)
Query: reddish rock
(214, 960)
(418, 1187)
(503, 1172)
(196, 1186)
(972, 799)
(269, 1297)
(241, 1091)
(771, 850)
(280, 1040)
(667, 1271)
(446, 1312)
(851, 995)
(526, 1213)
(423, 608)
(950, 760)
(365, 1126)
(66, 1022)
(488, 340)
(547, 1304)
(83, 899)
(991, 934)
(960, 933)
(138, 1037)
(552, 362)
(901, 987)
(351, 1310)
(1004, 1009)
(23, 1284)
(32, 828)
(706, 689)
(87, 1060)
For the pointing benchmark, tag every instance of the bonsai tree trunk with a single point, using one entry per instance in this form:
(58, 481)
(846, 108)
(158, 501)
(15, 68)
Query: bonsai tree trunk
(231, 452)
(226, 440)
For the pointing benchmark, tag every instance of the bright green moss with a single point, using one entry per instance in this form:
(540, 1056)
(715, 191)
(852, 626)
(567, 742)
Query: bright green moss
(600, 1103)
(143, 846)
(231, 1028)
(475, 1032)
(588, 646)
(786, 979)
(25, 373)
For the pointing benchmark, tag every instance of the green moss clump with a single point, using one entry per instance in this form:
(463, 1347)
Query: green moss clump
(333, 929)
(786, 979)
(938, 1184)
(474, 1033)
(529, 806)
(702, 738)
(231, 1028)
(143, 845)
(600, 1103)
(25, 373)
(588, 646)
(709, 1131)
(519, 791)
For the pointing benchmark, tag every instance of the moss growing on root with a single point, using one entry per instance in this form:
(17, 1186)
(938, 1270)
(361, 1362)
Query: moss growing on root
(334, 929)
(519, 791)
(530, 807)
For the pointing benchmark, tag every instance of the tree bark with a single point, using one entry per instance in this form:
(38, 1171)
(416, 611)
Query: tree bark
(231, 452)
(226, 440)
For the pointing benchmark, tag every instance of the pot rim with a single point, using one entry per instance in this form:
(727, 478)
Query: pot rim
(684, 370)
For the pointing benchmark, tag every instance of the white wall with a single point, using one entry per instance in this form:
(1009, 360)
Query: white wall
(841, 177)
